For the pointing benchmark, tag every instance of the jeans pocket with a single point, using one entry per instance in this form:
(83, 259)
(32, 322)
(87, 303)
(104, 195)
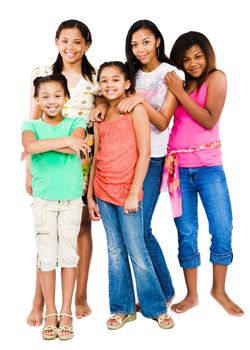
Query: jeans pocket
(39, 207)
(76, 206)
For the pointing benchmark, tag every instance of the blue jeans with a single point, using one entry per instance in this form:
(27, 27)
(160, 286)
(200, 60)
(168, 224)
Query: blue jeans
(210, 183)
(151, 189)
(125, 241)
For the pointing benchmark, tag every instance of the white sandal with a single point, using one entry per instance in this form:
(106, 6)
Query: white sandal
(120, 321)
(67, 329)
(49, 328)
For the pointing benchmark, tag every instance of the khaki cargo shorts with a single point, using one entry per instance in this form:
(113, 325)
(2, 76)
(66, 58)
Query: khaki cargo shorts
(57, 224)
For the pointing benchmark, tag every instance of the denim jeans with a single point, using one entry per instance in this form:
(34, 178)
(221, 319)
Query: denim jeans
(126, 244)
(210, 183)
(151, 189)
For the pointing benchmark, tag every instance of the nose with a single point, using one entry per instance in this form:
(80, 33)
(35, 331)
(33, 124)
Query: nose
(140, 48)
(51, 100)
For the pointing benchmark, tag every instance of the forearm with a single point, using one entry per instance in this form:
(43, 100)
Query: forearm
(90, 194)
(199, 114)
(41, 146)
(66, 150)
(140, 173)
(156, 118)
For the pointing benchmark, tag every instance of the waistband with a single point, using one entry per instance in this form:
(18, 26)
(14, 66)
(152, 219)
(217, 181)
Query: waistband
(170, 174)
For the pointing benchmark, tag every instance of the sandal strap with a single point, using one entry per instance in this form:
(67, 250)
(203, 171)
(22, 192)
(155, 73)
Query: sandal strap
(164, 317)
(49, 315)
(116, 318)
(49, 328)
(66, 329)
(67, 315)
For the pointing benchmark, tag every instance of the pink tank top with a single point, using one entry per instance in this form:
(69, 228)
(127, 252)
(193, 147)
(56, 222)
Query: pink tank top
(115, 160)
(186, 132)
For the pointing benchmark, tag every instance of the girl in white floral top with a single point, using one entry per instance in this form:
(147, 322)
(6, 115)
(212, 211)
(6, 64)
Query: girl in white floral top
(73, 39)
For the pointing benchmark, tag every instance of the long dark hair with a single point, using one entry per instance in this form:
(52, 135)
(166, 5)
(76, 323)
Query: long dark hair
(133, 63)
(87, 69)
(183, 43)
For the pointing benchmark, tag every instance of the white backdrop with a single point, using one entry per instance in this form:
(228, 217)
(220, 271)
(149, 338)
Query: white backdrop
(27, 41)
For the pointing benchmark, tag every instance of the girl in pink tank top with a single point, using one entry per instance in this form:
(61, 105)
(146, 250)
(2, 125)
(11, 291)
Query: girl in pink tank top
(193, 166)
(122, 154)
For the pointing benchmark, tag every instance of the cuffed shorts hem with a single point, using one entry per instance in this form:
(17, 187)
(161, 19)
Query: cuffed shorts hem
(190, 263)
(46, 268)
(221, 259)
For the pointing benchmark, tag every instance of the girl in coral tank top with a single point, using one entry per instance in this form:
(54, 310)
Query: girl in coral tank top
(193, 166)
(122, 154)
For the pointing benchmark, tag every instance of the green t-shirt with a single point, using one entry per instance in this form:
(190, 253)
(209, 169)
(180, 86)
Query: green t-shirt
(56, 176)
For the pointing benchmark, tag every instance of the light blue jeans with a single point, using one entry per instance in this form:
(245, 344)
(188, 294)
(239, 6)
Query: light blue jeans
(125, 239)
(209, 182)
(151, 189)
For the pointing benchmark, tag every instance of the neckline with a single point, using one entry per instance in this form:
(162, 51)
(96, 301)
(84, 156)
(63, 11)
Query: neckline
(52, 126)
(74, 87)
(140, 70)
(117, 119)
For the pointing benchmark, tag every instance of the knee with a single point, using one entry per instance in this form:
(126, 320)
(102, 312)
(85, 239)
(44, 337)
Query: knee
(85, 229)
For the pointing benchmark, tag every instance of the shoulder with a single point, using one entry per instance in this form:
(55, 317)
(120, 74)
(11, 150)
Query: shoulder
(217, 77)
(139, 111)
(41, 71)
(30, 125)
(167, 67)
(76, 122)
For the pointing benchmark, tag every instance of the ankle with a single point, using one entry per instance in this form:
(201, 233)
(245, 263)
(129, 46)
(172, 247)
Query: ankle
(38, 305)
(81, 299)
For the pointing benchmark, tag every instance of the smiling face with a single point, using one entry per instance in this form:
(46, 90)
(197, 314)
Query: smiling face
(144, 47)
(71, 45)
(112, 83)
(51, 99)
(194, 61)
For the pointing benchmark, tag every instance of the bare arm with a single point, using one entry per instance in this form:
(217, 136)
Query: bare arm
(33, 146)
(142, 134)
(92, 207)
(159, 119)
(77, 133)
(217, 89)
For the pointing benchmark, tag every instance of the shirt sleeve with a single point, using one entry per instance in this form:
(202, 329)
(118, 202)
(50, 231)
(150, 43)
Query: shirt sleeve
(79, 123)
(28, 125)
(180, 73)
(96, 88)
(41, 72)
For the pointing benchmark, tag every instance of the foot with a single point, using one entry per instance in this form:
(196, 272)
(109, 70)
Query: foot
(165, 321)
(35, 317)
(82, 309)
(137, 307)
(117, 321)
(49, 331)
(223, 299)
(65, 330)
(187, 303)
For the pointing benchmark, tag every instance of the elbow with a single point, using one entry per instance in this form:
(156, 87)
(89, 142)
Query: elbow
(27, 150)
(162, 127)
(210, 126)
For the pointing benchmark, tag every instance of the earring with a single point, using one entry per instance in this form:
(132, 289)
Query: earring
(158, 52)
